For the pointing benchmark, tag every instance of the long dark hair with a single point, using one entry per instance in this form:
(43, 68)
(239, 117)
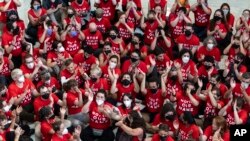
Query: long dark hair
(138, 121)
(228, 14)
(167, 108)
(130, 97)
(213, 22)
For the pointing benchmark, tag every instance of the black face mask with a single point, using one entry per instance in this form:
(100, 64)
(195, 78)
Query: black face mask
(133, 60)
(170, 117)
(134, 42)
(217, 18)
(125, 82)
(107, 52)
(105, 1)
(236, 46)
(112, 37)
(188, 33)
(151, 20)
(93, 32)
(79, 1)
(3, 95)
(13, 19)
(45, 96)
(163, 138)
(213, 84)
(93, 79)
(174, 77)
(15, 31)
(236, 61)
(70, 15)
(153, 91)
(193, 91)
(208, 67)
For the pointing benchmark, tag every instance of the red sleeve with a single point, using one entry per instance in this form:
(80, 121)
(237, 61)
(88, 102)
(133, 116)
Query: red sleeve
(243, 69)
(156, 120)
(243, 115)
(45, 126)
(55, 98)
(5, 40)
(217, 55)
(208, 131)
(196, 133)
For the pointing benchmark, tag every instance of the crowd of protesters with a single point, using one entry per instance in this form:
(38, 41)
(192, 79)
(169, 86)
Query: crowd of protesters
(118, 73)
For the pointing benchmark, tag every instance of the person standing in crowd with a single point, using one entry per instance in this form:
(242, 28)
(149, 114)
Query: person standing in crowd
(202, 12)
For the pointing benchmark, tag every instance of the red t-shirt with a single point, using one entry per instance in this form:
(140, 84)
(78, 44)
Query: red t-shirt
(16, 91)
(237, 91)
(71, 98)
(123, 31)
(7, 39)
(184, 69)
(29, 71)
(204, 73)
(194, 41)
(124, 90)
(230, 20)
(160, 65)
(50, 39)
(81, 8)
(72, 44)
(243, 115)
(108, 9)
(53, 83)
(156, 137)
(209, 133)
(106, 75)
(39, 102)
(127, 67)
(65, 137)
(215, 52)
(101, 84)
(116, 46)
(92, 40)
(210, 110)
(184, 132)
(172, 85)
(179, 28)
(131, 17)
(102, 25)
(85, 63)
(201, 18)
(155, 101)
(54, 57)
(185, 104)
(65, 73)
(222, 28)
(98, 120)
(137, 2)
(149, 32)
(152, 4)
(31, 12)
(12, 6)
(46, 126)
(5, 71)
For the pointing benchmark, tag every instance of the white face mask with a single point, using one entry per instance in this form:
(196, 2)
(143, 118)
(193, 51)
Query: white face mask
(99, 102)
(30, 65)
(61, 49)
(185, 59)
(210, 46)
(127, 103)
(112, 65)
(21, 79)
(225, 12)
(244, 85)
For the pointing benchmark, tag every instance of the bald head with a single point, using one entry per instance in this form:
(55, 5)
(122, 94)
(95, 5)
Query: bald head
(92, 27)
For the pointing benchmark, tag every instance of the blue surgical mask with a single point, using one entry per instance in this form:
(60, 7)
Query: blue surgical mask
(37, 7)
(73, 33)
(49, 31)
